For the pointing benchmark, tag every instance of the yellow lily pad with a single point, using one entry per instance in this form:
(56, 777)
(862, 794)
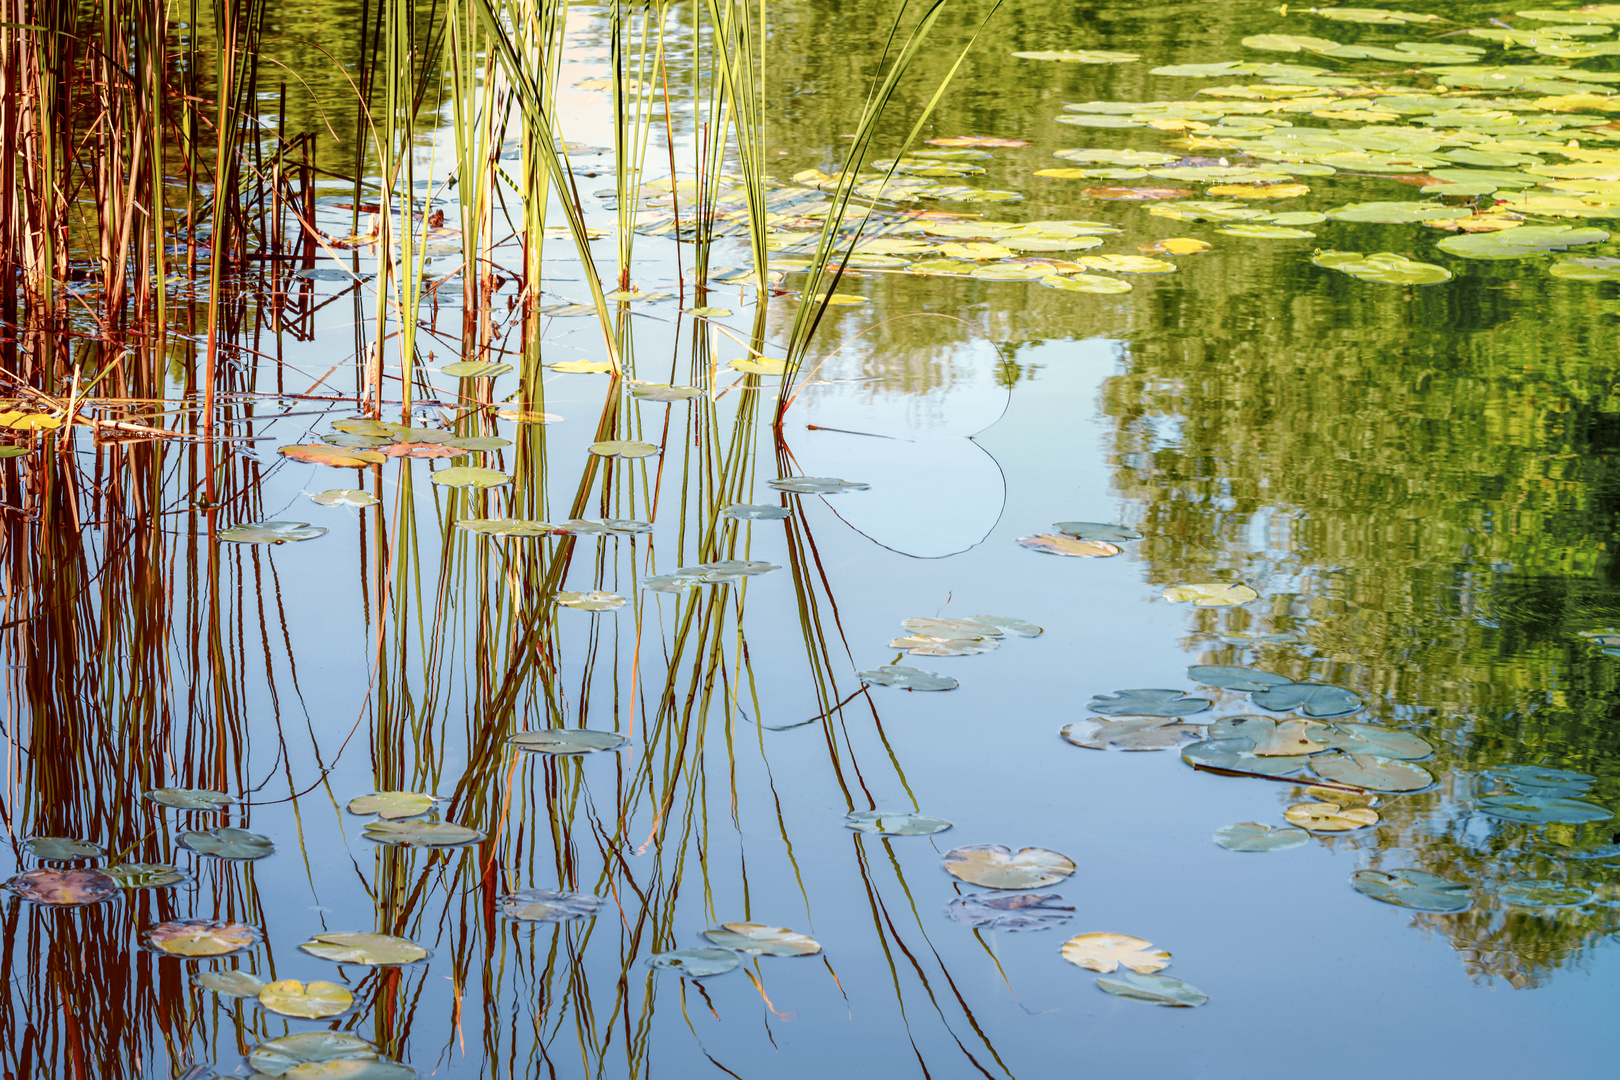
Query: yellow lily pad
(1107, 952)
(312, 1001)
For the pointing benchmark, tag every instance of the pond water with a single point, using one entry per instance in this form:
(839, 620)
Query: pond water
(1416, 477)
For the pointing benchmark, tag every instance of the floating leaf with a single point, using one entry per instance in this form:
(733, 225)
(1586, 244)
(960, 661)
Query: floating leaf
(1541, 780)
(815, 485)
(322, 454)
(1372, 773)
(145, 875)
(1012, 912)
(1289, 43)
(393, 805)
(755, 512)
(1211, 594)
(1375, 741)
(952, 628)
(1015, 627)
(312, 1001)
(474, 369)
(1235, 678)
(234, 983)
(228, 843)
(421, 450)
(418, 833)
(1130, 734)
(1081, 56)
(1096, 530)
(1398, 213)
(375, 950)
(271, 532)
(997, 867)
(624, 448)
(1060, 544)
(1086, 283)
(924, 645)
(907, 678)
(1527, 892)
(63, 888)
(757, 940)
(345, 497)
(595, 600)
(1415, 889)
(1383, 267)
(1155, 989)
(758, 365)
(200, 937)
(1312, 699)
(567, 741)
(1330, 817)
(1253, 836)
(1127, 264)
(1106, 952)
(62, 848)
(1117, 157)
(1177, 245)
(470, 476)
(1233, 755)
(1148, 703)
(1540, 809)
(1266, 232)
(895, 824)
(514, 527)
(548, 905)
(1374, 15)
(664, 392)
(278, 1057)
(1521, 243)
(1271, 738)
(695, 963)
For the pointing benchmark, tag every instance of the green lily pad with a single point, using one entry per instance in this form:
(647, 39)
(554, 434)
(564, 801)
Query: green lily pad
(234, 983)
(1384, 267)
(724, 570)
(481, 444)
(1414, 889)
(894, 824)
(1235, 678)
(191, 798)
(625, 448)
(62, 848)
(1375, 16)
(567, 741)
(470, 476)
(664, 392)
(1007, 625)
(815, 485)
(474, 369)
(755, 512)
(1148, 703)
(1253, 836)
(228, 843)
(1313, 699)
(1131, 734)
(374, 950)
(1235, 755)
(316, 1000)
(998, 867)
(1538, 810)
(418, 833)
(1376, 741)
(1013, 912)
(14, 451)
(1528, 892)
(695, 963)
(271, 532)
(1097, 530)
(548, 905)
(907, 678)
(512, 527)
(393, 805)
(1399, 213)
(278, 1057)
(1211, 594)
(64, 888)
(1541, 780)
(1155, 989)
(755, 939)
(145, 875)
(1289, 43)
(1523, 242)
(345, 497)
(1596, 269)
(1086, 283)
(1372, 773)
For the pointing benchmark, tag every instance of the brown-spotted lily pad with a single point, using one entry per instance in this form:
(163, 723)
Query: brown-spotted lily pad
(997, 867)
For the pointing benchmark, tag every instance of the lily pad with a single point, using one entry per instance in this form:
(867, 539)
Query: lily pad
(924, 645)
(1007, 625)
(1012, 912)
(1398, 213)
(1097, 530)
(1414, 889)
(548, 905)
(1372, 773)
(1375, 741)
(1059, 544)
(228, 843)
(64, 888)
(1235, 678)
(278, 1057)
(1330, 817)
(1271, 738)
(1234, 755)
(1148, 703)
(1313, 699)
(1541, 780)
(1253, 836)
(907, 678)
(1210, 594)
(997, 867)
(345, 497)
(664, 392)
(374, 950)
(470, 476)
(1528, 892)
(625, 448)
(815, 485)
(200, 937)
(695, 963)
(418, 833)
(894, 824)
(234, 983)
(1383, 267)
(1522, 243)
(145, 875)
(1131, 734)
(567, 741)
(755, 512)
(312, 1001)
(341, 457)
(1154, 989)
(595, 600)
(393, 805)
(474, 369)
(1086, 283)
(271, 532)
(1107, 952)
(951, 628)
(62, 848)
(1538, 810)
(1289, 43)
(755, 939)
(514, 527)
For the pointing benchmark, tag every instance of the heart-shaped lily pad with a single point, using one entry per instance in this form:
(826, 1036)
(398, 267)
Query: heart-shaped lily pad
(470, 476)
(924, 645)
(1157, 733)
(695, 963)
(998, 867)
(1253, 836)
(278, 1057)
(64, 888)
(1271, 738)
(1007, 625)
(228, 843)
(1148, 703)
(1235, 755)
(1235, 678)
(1330, 817)
(62, 848)
(419, 833)
(394, 805)
(1155, 989)
(664, 392)
(312, 1001)
(1372, 773)
(548, 905)
(374, 950)
(595, 600)
(1524, 242)
(200, 937)
(815, 485)
(271, 532)
(1014, 912)
(755, 512)
(340, 457)
(1107, 952)
(625, 448)
(1416, 889)
(1543, 781)
(233, 983)
(758, 940)
(1097, 530)
(907, 678)
(145, 875)
(1528, 892)
(894, 824)
(567, 741)
(1537, 810)
(345, 497)
(1059, 544)
(1374, 741)
(1210, 594)
(191, 798)
(1313, 699)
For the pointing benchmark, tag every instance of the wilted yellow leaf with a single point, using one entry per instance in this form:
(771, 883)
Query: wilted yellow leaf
(1106, 952)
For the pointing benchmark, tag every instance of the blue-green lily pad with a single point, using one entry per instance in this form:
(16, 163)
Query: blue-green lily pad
(1414, 889)
(1541, 809)
(1097, 530)
(695, 963)
(1375, 741)
(1148, 703)
(1372, 773)
(1540, 780)
(1235, 678)
(1312, 699)
(228, 843)
(1253, 836)
(1155, 989)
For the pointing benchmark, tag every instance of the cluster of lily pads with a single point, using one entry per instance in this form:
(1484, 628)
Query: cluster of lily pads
(945, 637)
